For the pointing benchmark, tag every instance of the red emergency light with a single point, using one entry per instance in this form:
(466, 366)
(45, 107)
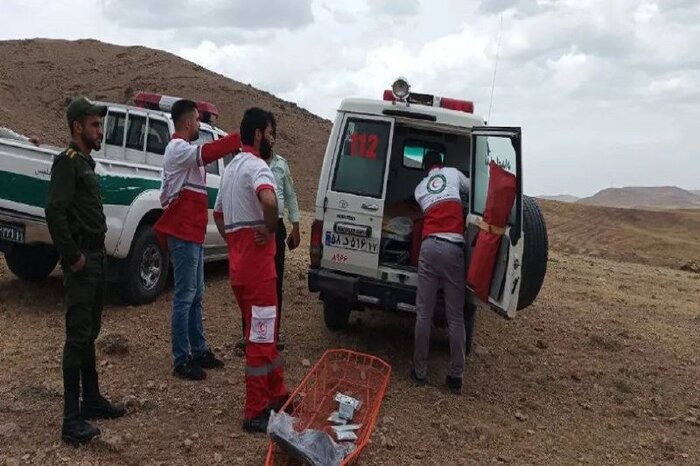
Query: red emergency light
(431, 101)
(165, 103)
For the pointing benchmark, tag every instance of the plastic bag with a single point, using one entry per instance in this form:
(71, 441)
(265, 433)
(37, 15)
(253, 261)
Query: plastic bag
(315, 447)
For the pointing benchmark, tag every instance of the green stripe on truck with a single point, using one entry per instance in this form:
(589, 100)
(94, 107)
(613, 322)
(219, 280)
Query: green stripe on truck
(116, 190)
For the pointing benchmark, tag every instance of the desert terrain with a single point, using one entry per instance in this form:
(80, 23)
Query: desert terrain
(603, 368)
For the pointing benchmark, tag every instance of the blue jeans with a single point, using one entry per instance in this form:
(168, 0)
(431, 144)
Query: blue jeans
(187, 327)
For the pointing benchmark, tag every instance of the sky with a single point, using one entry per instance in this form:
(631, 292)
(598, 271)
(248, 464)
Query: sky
(607, 92)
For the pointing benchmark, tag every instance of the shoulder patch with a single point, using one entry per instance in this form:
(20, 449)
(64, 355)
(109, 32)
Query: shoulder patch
(71, 153)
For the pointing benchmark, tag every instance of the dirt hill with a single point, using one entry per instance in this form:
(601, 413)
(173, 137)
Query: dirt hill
(560, 198)
(654, 197)
(38, 77)
(661, 238)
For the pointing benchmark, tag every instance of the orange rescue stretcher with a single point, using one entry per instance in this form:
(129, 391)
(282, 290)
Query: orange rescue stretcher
(362, 376)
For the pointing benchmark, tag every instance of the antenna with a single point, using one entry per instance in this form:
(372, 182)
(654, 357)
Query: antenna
(495, 67)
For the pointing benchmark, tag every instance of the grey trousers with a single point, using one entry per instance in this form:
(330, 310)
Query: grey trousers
(440, 264)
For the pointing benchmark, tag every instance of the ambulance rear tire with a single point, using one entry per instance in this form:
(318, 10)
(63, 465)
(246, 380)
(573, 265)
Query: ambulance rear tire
(31, 262)
(336, 313)
(147, 268)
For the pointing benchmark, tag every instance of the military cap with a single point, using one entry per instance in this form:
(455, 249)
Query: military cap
(82, 106)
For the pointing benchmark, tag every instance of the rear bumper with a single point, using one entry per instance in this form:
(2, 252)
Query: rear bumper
(363, 290)
(35, 228)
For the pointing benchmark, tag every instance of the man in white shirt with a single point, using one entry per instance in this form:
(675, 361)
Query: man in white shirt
(246, 217)
(441, 263)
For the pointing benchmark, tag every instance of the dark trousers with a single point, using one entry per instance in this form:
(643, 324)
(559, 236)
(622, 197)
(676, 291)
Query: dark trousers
(84, 303)
(281, 238)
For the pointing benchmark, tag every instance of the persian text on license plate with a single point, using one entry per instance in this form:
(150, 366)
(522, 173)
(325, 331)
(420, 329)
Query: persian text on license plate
(351, 242)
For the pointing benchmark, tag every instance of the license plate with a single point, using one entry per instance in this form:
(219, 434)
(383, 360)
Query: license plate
(12, 232)
(351, 242)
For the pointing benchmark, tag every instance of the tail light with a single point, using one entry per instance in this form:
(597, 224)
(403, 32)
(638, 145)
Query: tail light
(316, 247)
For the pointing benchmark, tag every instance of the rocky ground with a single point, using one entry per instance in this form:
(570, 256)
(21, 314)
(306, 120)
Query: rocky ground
(602, 369)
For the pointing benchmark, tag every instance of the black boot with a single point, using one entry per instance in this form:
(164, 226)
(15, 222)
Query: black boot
(75, 430)
(94, 405)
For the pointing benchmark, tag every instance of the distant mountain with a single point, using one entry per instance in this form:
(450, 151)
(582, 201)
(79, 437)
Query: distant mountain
(645, 197)
(560, 198)
(695, 191)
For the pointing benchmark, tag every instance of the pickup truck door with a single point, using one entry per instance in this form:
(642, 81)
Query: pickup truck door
(502, 145)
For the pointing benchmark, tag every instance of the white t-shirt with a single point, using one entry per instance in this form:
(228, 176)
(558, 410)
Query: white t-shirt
(244, 177)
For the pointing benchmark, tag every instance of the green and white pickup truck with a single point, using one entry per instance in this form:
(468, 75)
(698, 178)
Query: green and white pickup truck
(129, 166)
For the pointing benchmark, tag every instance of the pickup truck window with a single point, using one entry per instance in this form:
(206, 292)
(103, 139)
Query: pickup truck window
(114, 129)
(362, 159)
(135, 135)
(158, 136)
(205, 137)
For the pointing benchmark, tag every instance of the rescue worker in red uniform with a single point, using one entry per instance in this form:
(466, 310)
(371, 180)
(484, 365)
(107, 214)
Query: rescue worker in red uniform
(246, 216)
(182, 228)
(441, 265)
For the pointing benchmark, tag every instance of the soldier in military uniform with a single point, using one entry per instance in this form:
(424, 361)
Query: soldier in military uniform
(77, 225)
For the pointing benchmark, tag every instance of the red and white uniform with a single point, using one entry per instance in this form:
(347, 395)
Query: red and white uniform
(253, 276)
(184, 191)
(438, 196)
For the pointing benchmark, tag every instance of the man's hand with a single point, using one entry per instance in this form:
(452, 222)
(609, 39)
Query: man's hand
(35, 140)
(262, 236)
(294, 239)
(79, 264)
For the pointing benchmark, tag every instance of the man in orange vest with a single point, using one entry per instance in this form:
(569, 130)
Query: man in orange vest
(246, 216)
(182, 227)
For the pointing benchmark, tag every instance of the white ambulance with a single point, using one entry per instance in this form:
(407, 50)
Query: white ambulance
(363, 248)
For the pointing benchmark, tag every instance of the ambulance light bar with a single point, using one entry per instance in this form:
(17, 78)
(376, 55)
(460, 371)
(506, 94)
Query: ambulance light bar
(164, 103)
(395, 94)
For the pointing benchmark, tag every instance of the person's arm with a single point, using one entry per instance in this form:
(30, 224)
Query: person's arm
(60, 198)
(268, 200)
(464, 183)
(215, 150)
(219, 213)
(187, 155)
(292, 204)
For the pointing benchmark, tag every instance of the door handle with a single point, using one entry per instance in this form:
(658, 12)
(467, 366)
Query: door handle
(367, 206)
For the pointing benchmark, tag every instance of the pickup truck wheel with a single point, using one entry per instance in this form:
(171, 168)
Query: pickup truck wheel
(31, 262)
(336, 313)
(535, 252)
(146, 268)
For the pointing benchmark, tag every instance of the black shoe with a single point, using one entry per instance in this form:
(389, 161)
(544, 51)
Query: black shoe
(76, 431)
(101, 408)
(207, 360)
(418, 381)
(276, 407)
(257, 424)
(190, 370)
(454, 384)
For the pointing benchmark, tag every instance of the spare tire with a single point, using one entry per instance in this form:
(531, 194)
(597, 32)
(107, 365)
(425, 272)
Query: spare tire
(535, 252)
